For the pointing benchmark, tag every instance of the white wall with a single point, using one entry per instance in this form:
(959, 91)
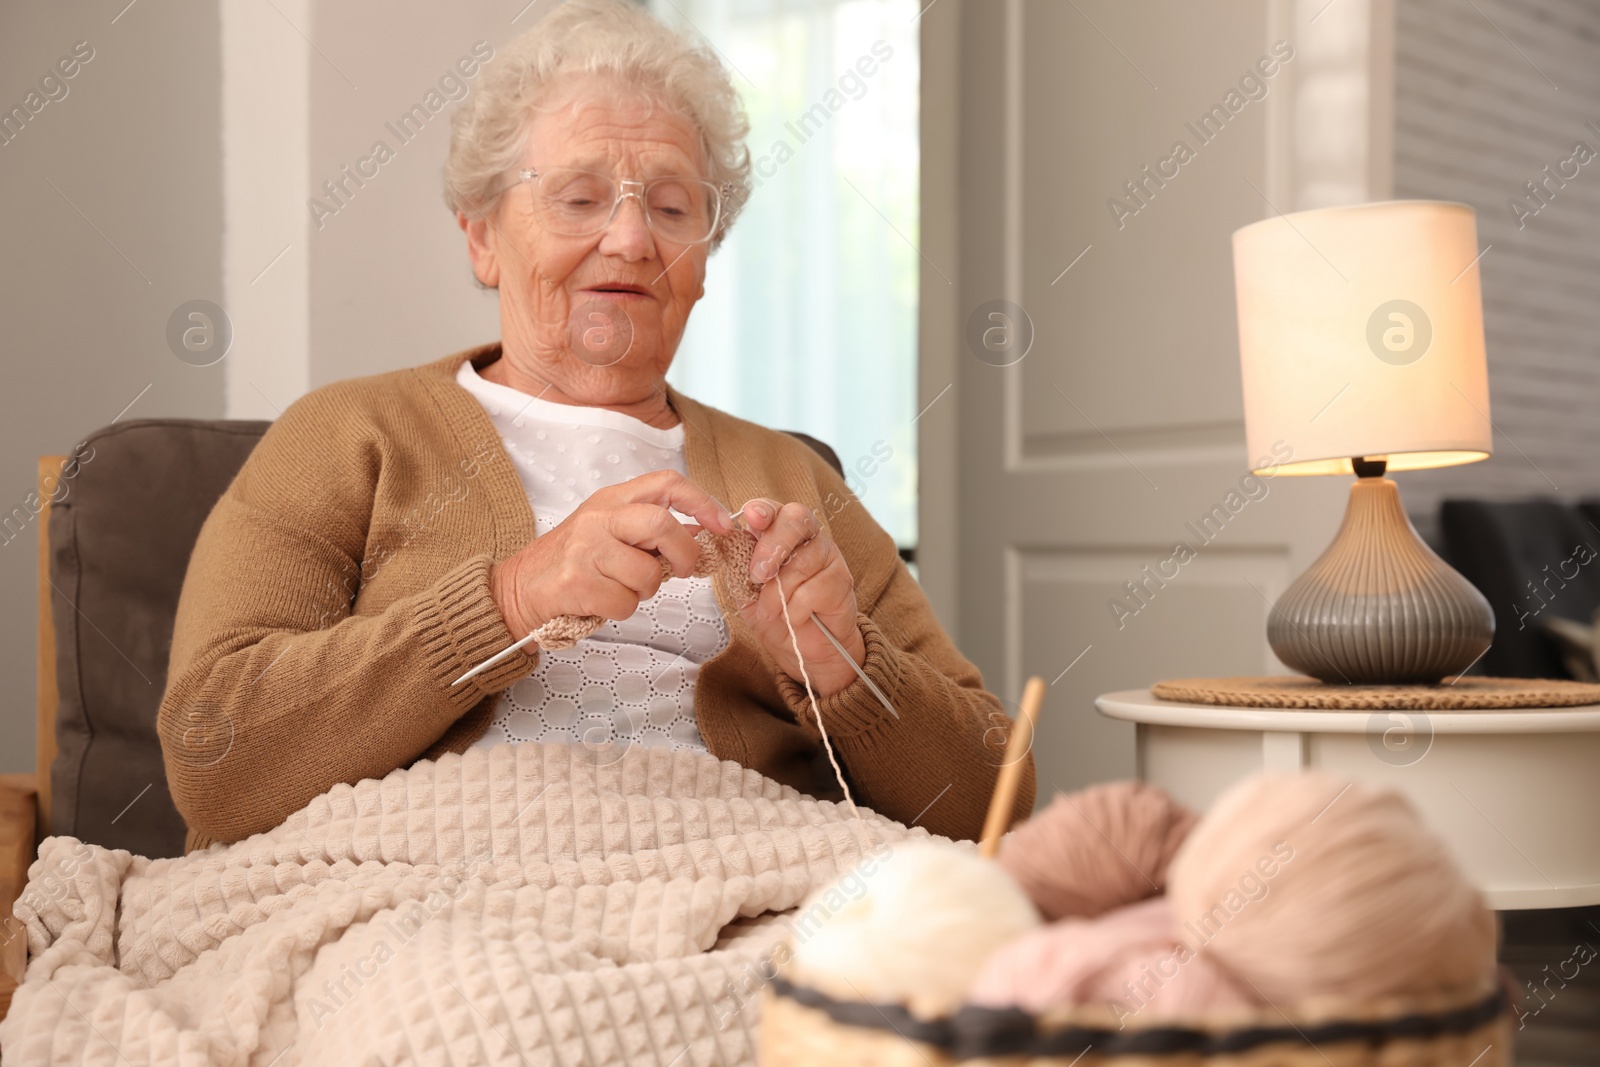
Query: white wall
(113, 218)
(377, 277)
(265, 115)
(389, 278)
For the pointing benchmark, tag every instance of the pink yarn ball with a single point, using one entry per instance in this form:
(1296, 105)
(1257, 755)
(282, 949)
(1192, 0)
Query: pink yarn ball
(1308, 885)
(1097, 849)
(1130, 962)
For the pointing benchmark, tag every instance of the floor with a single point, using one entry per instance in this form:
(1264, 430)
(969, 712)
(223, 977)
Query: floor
(1555, 956)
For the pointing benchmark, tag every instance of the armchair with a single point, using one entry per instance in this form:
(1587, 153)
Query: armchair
(117, 524)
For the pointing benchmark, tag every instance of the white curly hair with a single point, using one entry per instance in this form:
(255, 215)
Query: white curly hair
(619, 38)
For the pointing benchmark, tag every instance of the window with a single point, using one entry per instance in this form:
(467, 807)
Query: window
(809, 317)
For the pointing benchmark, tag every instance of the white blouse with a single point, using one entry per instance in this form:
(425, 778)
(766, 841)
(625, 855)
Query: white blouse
(633, 680)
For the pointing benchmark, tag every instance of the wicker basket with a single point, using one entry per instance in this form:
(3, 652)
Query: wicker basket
(801, 1027)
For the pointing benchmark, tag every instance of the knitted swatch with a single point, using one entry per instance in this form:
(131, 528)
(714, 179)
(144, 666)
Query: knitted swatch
(724, 556)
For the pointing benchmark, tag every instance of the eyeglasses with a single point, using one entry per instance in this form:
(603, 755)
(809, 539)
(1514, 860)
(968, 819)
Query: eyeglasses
(580, 203)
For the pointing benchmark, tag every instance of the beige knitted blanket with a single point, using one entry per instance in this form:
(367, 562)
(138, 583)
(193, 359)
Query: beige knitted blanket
(525, 904)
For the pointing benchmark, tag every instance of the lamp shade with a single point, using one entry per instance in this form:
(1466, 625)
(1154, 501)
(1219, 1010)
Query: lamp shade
(1361, 335)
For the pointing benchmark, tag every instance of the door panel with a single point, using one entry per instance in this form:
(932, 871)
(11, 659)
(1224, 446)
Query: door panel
(1119, 434)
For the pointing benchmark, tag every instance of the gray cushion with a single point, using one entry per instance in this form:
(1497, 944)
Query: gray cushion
(119, 546)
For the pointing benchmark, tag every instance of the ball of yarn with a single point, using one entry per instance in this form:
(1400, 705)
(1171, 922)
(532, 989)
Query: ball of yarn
(1307, 885)
(1097, 849)
(1129, 961)
(916, 934)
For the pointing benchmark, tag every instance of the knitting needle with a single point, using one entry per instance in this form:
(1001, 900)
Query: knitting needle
(860, 673)
(834, 641)
(1005, 788)
(502, 654)
(492, 660)
(739, 521)
(496, 658)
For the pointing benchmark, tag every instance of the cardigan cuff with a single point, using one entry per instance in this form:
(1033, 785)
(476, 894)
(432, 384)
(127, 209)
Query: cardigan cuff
(460, 626)
(855, 709)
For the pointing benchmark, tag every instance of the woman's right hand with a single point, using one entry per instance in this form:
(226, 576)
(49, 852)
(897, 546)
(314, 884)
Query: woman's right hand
(605, 557)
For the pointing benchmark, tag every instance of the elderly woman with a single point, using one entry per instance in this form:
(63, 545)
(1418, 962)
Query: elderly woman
(390, 533)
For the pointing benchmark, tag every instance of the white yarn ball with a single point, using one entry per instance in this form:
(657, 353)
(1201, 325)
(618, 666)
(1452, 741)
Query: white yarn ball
(914, 928)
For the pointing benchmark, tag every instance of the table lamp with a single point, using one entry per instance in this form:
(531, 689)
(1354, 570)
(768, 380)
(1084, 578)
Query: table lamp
(1361, 345)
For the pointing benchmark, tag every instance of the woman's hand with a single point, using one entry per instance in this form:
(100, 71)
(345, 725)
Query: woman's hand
(794, 546)
(602, 559)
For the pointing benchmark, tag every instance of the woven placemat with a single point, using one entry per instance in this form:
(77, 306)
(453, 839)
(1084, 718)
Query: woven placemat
(1464, 694)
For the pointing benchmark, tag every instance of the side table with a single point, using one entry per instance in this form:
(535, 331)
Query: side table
(1515, 793)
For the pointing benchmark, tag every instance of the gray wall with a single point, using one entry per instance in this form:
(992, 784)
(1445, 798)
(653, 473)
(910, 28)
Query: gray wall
(1477, 118)
(135, 146)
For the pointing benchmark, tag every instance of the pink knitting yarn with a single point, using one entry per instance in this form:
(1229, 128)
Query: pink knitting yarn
(1307, 885)
(1294, 887)
(1129, 961)
(1097, 849)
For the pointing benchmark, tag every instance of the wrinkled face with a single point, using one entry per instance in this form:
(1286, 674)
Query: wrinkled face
(599, 316)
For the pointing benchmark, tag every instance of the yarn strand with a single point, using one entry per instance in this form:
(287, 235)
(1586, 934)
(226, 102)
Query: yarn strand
(805, 676)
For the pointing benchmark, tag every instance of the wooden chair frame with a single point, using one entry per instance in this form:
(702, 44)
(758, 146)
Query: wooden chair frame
(25, 798)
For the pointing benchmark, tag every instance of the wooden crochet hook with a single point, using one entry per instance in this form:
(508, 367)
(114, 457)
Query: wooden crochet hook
(1005, 788)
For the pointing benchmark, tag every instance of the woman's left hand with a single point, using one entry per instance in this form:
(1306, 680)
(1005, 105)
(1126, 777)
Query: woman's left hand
(793, 546)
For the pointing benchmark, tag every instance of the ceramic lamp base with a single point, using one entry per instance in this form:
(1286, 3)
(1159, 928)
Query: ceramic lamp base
(1380, 607)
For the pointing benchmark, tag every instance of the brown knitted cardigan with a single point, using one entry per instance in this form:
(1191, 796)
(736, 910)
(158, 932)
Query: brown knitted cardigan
(341, 584)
